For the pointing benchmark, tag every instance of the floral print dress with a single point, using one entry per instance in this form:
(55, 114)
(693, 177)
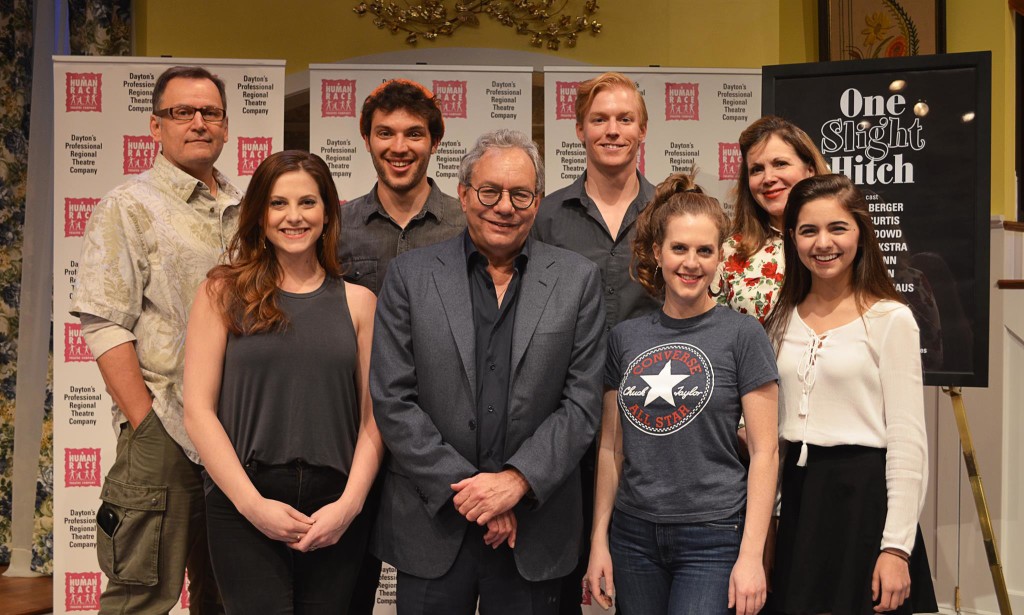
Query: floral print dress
(750, 285)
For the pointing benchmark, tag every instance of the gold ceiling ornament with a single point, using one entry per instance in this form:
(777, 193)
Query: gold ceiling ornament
(539, 19)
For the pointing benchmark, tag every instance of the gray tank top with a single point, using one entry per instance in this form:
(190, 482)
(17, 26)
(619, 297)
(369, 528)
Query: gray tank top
(291, 395)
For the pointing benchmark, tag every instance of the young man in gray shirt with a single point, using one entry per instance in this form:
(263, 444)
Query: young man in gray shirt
(401, 126)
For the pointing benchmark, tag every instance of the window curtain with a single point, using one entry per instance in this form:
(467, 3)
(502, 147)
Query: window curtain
(94, 28)
(100, 28)
(15, 97)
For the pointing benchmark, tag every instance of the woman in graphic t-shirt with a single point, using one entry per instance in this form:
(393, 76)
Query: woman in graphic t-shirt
(679, 522)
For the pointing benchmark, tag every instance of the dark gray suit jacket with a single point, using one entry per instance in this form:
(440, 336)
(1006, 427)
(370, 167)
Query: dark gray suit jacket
(423, 383)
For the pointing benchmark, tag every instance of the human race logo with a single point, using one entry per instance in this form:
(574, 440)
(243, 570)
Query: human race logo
(251, 152)
(565, 99)
(76, 215)
(139, 153)
(729, 161)
(451, 97)
(75, 348)
(81, 591)
(338, 98)
(186, 597)
(83, 92)
(682, 101)
(81, 467)
(666, 387)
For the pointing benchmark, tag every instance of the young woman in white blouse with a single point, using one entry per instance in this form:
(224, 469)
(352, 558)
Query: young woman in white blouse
(851, 416)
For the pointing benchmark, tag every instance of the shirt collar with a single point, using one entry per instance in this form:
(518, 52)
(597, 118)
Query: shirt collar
(577, 191)
(431, 206)
(186, 187)
(473, 255)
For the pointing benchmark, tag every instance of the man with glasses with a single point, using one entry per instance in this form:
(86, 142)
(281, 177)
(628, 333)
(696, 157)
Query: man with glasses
(485, 377)
(148, 245)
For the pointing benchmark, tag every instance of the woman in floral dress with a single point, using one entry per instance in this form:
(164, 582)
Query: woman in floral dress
(776, 155)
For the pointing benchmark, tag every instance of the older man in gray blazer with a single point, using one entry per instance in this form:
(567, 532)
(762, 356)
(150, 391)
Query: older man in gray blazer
(485, 378)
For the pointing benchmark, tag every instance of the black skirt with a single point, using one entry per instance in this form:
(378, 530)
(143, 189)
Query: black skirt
(830, 532)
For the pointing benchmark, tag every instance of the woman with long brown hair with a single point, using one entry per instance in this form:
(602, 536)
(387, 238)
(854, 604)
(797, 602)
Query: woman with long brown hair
(852, 417)
(776, 155)
(277, 402)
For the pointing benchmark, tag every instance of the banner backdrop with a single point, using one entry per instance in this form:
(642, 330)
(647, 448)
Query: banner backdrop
(474, 100)
(101, 137)
(695, 117)
(914, 134)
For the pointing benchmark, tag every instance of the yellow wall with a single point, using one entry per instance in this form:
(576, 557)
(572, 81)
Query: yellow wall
(704, 33)
(712, 33)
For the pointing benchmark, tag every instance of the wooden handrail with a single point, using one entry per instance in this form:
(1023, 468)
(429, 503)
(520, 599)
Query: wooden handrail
(1010, 225)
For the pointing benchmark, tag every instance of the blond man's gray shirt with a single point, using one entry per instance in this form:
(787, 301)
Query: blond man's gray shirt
(148, 245)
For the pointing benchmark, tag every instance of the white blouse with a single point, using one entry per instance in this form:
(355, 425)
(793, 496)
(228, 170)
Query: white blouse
(860, 383)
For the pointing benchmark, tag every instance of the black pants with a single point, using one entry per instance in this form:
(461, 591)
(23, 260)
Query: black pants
(259, 575)
(478, 572)
(364, 594)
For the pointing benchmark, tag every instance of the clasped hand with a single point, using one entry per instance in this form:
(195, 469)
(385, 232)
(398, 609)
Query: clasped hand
(279, 521)
(487, 499)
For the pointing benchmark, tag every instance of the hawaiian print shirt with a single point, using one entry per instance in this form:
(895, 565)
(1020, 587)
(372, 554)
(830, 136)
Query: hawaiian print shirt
(749, 286)
(147, 247)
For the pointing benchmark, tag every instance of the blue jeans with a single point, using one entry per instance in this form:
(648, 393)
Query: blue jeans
(673, 568)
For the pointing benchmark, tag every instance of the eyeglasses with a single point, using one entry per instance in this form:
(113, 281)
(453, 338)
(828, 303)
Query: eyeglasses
(489, 196)
(186, 113)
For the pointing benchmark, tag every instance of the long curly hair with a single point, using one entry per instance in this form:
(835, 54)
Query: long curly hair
(870, 280)
(676, 196)
(751, 220)
(245, 288)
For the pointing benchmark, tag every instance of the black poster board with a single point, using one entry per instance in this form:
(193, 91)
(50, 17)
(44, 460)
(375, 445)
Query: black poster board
(915, 135)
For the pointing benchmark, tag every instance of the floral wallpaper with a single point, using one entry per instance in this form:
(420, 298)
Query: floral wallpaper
(15, 97)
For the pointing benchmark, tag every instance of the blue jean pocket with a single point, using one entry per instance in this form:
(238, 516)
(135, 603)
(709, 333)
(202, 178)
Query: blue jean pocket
(732, 524)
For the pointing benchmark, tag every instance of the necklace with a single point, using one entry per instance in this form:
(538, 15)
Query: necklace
(503, 289)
